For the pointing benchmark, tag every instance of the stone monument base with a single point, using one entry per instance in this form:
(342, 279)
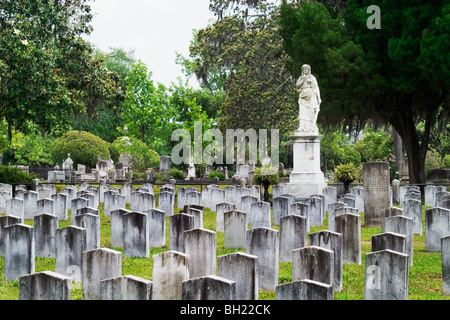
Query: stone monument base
(306, 178)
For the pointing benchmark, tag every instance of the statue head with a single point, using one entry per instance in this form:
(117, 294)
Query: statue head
(306, 69)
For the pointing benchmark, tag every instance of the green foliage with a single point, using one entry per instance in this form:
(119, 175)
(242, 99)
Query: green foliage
(246, 57)
(218, 174)
(375, 146)
(396, 75)
(266, 175)
(33, 149)
(47, 70)
(142, 157)
(347, 172)
(337, 149)
(146, 109)
(13, 175)
(84, 148)
(175, 173)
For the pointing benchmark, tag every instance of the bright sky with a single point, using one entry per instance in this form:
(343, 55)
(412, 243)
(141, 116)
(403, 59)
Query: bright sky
(156, 29)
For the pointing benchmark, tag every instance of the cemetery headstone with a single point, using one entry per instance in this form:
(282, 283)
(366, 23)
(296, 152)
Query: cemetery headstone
(209, 287)
(241, 268)
(170, 269)
(386, 275)
(46, 285)
(99, 265)
(376, 192)
(264, 243)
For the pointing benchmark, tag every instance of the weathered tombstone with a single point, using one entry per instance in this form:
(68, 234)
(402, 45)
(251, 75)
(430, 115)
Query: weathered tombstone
(280, 208)
(166, 203)
(46, 285)
(193, 198)
(230, 194)
(19, 251)
(221, 208)
(264, 243)
(60, 206)
(313, 263)
(376, 192)
(413, 209)
(300, 209)
(170, 269)
(126, 192)
(278, 190)
(113, 201)
(330, 194)
(156, 228)
(197, 214)
(390, 212)
(136, 235)
(90, 222)
(402, 225)
(331, 213)
(386, 275)
(246, 203)
(332, 241)
(181, 197)
(15, 208)
(217, 196)
(235, 229)
(241, 268)
(116, 227)
(99, 265)
(292, 235)
(358, 191)
(178, 224)
(389, 241)
(396, 192)
(6, 221)
(304, 290)
(209, 287)
(255, 191)
(315, 211)
(70, 245)
(44, 192)
(349, 225)
(430, 195)
(445, 249)
(142, 201)
(437, 225)
(45, 206)
(260, 215)
(126, 288)
(200, 245)
(89, 210)
(45, 226)
(76, 204)
(349, 200)
(240, 192)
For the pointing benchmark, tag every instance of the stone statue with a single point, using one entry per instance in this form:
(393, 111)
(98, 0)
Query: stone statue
(309, 101)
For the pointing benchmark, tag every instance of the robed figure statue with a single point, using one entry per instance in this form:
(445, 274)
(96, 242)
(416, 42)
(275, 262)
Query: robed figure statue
(309, 101)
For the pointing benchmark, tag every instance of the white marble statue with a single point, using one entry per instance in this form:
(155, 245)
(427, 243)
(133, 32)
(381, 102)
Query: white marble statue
(309, 101)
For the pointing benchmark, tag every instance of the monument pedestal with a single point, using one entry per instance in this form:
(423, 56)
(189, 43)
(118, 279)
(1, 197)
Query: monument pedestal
(306, 178)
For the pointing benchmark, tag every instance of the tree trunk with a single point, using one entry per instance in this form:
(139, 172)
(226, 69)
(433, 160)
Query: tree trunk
(416, 151)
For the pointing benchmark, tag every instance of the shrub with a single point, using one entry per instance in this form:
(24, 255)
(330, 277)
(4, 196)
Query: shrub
(13, 175)
(266, 175)
(214, 174)
(175, 173)
(346, 173)
(142, 157)
(84, 148)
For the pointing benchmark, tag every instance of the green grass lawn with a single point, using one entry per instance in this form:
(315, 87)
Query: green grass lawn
(425, 276)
